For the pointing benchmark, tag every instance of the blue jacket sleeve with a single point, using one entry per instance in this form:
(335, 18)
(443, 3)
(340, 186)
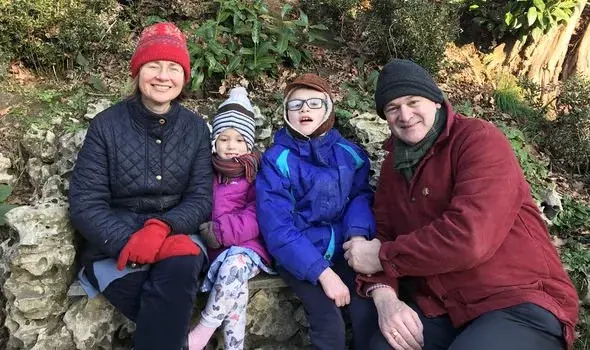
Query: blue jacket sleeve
(274, 205)
(90, 196)
(358, 217)
(195, 207)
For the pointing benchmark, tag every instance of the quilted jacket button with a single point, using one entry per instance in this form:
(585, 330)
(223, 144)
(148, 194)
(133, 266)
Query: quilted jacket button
(158, 141)
(158, 177)
(162, 121)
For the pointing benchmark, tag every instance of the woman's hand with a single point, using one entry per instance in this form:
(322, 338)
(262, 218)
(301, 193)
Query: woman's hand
(363, 255)
(399, 324)
(334, 288)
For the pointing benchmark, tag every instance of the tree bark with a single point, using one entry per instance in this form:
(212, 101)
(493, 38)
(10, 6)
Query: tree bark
(541, 60)
(578, 63)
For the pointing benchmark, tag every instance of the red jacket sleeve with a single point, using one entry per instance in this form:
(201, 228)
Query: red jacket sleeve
(486, 198)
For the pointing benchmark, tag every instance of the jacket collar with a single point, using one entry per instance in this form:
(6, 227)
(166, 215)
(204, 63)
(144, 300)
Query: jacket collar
(316, 147)
(148, 119)
(389, 144)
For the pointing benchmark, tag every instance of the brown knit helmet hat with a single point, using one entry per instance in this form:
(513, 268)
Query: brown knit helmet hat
(315, 82)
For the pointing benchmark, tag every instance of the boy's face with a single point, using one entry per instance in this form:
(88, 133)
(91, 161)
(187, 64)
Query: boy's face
(230, 144)
(306, 110)
(410, 117)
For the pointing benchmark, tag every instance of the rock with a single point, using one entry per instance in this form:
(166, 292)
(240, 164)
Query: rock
(370, 131)
(5, 165)
(54, 188)
(40, 143)
(270, 315)
(93, 323)
(96, 107)
(68, 147)
(41, 269)
(39, 172)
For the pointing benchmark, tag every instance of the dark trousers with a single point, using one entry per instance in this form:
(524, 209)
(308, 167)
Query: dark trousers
(520, 327)
(326, 323)
(159, 301)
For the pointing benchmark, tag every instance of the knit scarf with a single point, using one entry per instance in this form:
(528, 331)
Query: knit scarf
(407, 157)
(246, 165)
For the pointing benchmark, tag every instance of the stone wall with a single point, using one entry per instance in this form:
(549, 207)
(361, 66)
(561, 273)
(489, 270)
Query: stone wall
(44, 307)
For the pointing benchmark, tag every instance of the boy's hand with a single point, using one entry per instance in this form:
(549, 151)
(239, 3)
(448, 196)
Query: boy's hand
(334, 288)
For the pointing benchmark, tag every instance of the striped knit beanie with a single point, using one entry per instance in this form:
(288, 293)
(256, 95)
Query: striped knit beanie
(236, 112)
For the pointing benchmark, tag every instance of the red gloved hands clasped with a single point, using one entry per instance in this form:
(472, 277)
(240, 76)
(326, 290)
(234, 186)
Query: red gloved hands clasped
(144, 244)
(178, 245)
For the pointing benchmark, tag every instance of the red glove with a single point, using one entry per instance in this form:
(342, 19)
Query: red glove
(178, 245)
(144, 244)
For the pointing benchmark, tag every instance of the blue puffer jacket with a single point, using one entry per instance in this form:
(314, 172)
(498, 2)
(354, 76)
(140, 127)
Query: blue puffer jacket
(135, 165)
(312, 196)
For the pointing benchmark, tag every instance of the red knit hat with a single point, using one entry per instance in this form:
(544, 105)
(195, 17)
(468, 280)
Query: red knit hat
(161, 41)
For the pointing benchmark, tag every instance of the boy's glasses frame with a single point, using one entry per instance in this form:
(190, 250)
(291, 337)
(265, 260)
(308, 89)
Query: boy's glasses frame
(312, 103)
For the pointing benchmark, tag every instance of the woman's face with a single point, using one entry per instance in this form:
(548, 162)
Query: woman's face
(160, 82)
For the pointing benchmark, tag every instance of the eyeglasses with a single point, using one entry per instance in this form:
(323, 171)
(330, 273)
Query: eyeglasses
(313, 103)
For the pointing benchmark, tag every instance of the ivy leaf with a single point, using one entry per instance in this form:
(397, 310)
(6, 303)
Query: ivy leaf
(4, 208)
(5, 191)
(539, 4)
(532, 15)
(285, 10)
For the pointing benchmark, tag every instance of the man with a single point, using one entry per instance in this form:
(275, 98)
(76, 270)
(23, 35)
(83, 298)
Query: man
(462, 258)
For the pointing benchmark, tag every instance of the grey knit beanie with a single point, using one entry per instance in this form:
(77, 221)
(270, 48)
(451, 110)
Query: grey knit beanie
(404, 78)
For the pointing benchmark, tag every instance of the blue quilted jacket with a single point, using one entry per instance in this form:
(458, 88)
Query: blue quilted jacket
(135, 165)
(312, 196)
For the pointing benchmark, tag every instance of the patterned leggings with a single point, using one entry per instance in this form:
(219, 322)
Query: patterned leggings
(228, 299)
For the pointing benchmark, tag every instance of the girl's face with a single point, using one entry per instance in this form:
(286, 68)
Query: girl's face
(230, 144)
(160, 82)
(306, 110)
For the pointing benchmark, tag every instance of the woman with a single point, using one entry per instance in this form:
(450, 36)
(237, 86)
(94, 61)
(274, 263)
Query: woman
(462, 258)
(141, 185)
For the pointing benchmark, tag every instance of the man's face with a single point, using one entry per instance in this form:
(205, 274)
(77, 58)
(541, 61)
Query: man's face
(410, 117)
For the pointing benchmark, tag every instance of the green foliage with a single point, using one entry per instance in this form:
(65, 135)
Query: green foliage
(534, 169)
(570, 134)
(413, 29)
(147, 12)
(5, 191)
(576, 258)
(583, 341)
(246, 40)
(360, 92)
(49, 35)
(575, 216)
(520, 17)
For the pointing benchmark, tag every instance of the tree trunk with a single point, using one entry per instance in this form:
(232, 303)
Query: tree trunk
(541, 59)
(578, 62)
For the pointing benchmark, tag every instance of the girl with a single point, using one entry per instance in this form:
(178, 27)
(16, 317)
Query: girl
(232, 235)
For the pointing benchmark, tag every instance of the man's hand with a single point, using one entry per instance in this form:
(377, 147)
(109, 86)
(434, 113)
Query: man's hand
(399, 324)
(363, 255)
(334, 288)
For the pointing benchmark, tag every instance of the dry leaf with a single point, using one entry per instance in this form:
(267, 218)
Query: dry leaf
(5, 111)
